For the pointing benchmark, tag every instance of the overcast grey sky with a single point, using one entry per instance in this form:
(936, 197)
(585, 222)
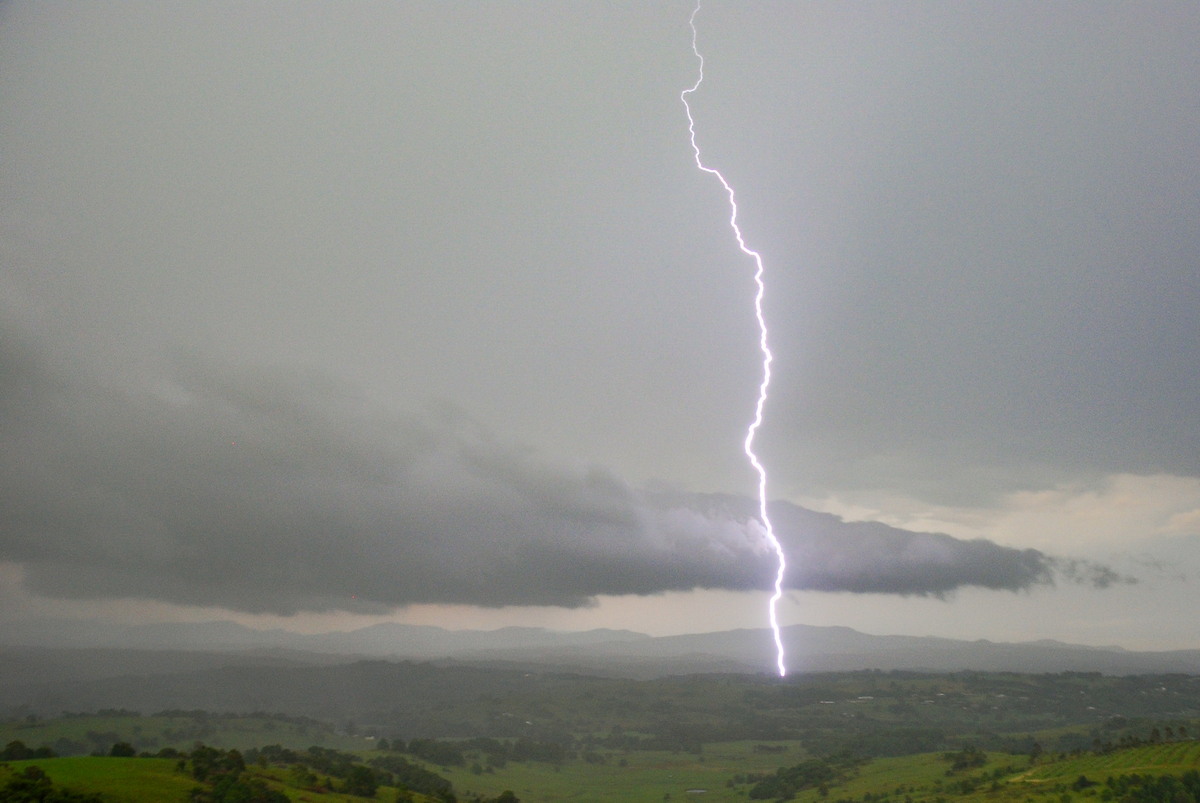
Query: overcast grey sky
(313, 314)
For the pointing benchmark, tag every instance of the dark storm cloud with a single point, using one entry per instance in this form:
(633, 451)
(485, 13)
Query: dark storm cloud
(826, 553)
(280, 494)
(977, 219)
(207, 485)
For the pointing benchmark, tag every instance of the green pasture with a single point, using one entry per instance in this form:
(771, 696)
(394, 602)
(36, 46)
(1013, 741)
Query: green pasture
(278, 778)
(646, 776)
(1155, 759)
(1004, 778)
(121, 780)
(915, 776)
(612, 775)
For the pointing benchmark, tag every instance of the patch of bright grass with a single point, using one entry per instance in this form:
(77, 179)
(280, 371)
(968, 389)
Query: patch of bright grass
(121, 780)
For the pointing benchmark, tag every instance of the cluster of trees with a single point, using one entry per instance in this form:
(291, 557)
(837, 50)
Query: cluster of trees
(1156, 789)
(103, 712)
(317, 768)
(17, 751)
(1167, 734)
(497, 752)
(967, 758)
(223, 770)
(786, 782)
(414, 777)
(1117, 733)
(435, 751)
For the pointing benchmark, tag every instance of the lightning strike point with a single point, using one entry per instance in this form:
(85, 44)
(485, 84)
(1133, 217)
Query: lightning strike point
(767, 357)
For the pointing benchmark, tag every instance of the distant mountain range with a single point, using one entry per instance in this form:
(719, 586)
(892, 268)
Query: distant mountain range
(383, 640)
(605, 652)
(839, 649)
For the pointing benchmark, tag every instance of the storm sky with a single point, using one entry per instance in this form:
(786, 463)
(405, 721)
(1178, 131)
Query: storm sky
(317, 315)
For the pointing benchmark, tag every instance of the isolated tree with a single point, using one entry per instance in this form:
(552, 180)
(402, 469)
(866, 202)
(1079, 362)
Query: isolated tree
(14, 751)
(360, 781)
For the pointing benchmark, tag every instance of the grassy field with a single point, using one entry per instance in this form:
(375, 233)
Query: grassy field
(122, 780)
(1004, 778)
(911, 776)
(1155, 759)
(721, 772)
(645, 776)
(918, 778)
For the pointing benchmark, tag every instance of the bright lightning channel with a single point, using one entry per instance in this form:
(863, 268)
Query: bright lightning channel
(767, 357)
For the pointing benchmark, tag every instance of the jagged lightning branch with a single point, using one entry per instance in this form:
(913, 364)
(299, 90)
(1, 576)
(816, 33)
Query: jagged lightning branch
(752, 430)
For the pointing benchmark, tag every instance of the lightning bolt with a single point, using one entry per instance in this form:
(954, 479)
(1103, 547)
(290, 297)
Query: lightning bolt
(767, 357)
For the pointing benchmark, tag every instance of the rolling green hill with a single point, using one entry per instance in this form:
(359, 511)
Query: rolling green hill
(724, 772)
(143, 780)
(120, 780)
(928, 778)
(882, 737)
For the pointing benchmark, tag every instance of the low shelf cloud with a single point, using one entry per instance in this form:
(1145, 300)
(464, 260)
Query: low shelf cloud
(206, 486)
